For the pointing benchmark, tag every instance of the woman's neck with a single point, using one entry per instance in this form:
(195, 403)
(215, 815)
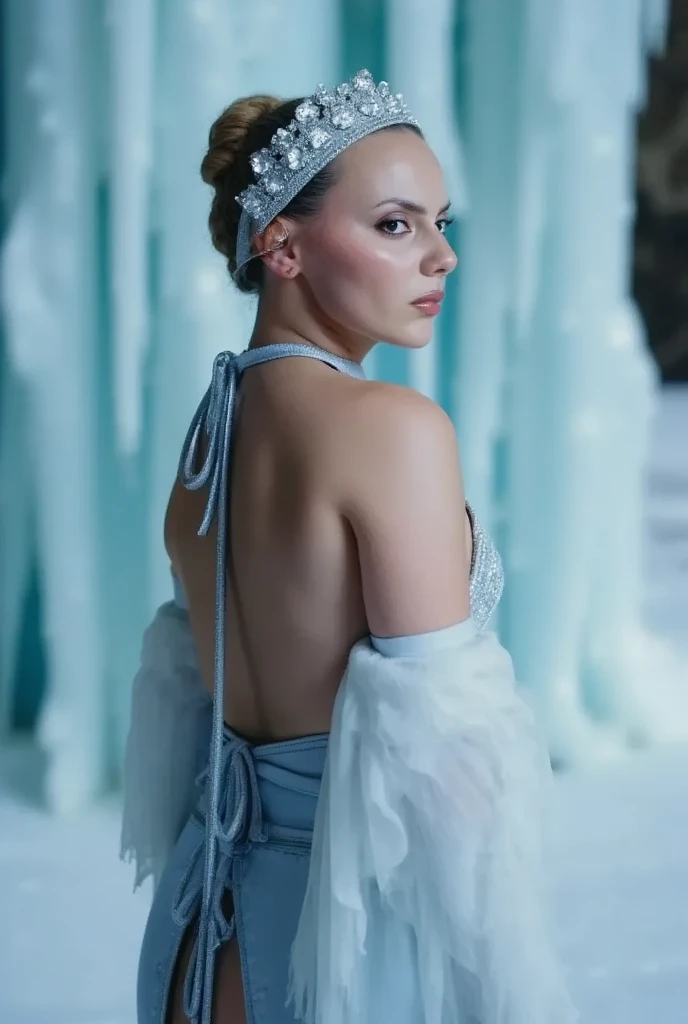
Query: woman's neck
(288, 321)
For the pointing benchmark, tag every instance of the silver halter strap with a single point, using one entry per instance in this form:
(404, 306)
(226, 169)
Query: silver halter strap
(214, 417)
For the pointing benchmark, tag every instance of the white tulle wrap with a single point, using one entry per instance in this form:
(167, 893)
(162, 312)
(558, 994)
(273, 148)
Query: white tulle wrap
(168, 742)
(428, 841)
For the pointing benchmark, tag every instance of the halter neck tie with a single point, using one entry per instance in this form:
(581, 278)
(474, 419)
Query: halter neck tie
(214, 418)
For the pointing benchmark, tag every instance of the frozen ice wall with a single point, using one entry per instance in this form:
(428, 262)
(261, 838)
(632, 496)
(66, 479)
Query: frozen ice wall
(555, 389)
(420, 63)
(115, 303)
(49, 299)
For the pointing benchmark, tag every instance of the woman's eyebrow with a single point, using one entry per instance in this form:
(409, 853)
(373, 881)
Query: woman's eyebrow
(408, 204)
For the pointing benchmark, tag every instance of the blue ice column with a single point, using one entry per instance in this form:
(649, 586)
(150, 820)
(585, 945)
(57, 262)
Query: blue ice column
(581, 386)
(213, 54)
(49, 298)
(420, 64)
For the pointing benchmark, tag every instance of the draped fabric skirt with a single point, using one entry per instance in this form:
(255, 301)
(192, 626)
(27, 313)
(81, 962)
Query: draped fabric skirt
(268, 800)
(387, 873)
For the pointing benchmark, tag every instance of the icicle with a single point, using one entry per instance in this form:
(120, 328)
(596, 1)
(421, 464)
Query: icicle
(420, 64)
(581, 390)
(49, 299)
(490, 91)
(132, 25)
(215, 52)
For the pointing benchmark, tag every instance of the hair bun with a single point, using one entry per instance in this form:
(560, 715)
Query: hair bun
(228, 135)
(246, 126)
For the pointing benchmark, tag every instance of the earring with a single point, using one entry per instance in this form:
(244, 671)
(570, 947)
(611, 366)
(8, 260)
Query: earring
(281, 242)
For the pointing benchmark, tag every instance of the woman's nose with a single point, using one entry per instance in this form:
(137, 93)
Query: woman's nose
(442, 260)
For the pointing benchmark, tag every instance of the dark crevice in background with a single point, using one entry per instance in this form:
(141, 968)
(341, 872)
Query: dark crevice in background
(660, 278)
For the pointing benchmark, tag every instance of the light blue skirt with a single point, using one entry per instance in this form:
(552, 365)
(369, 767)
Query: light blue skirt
(268, 801)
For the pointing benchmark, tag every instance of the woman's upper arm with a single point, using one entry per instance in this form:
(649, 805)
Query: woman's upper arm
(407, 510)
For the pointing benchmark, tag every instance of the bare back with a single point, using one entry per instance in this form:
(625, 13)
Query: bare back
(293, 562)
(345, 517)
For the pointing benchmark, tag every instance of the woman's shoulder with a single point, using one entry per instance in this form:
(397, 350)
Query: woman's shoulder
(404, 502)
(396, 399)
(398, 431)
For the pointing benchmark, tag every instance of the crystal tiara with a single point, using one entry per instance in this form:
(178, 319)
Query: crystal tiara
(324, 125)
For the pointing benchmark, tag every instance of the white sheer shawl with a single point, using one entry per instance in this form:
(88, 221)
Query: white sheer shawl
(428, 841)
(167, 745)
(427, 837)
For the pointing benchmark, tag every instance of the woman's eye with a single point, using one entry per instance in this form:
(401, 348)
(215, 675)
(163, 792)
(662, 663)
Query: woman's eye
(444, 223)
(391, 226)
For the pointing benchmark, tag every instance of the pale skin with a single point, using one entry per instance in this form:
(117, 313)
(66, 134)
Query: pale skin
(347, 502)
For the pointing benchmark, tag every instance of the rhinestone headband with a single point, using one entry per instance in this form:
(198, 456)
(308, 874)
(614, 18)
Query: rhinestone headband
(324, 125)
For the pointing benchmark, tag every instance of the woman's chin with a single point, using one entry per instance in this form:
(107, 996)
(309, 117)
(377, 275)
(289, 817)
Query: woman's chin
(419, 334)
(415, 336)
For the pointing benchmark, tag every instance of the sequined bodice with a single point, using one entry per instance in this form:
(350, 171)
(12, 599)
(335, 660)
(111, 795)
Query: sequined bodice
(487, 574)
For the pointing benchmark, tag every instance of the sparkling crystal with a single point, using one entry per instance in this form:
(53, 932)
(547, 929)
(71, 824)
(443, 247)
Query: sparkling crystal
(342, 117)
(273, 182)
(323, 96)
(369, 107)
(282, 139)
(395, 104)
(261, 161)
(383, 89)
(343, 90)
(306, 111)
(319, 137)
(363, 80)
(250, 202)
(294, 158)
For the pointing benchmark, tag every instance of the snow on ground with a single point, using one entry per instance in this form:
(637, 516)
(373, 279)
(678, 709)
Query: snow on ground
(70, 927)
(622, 897)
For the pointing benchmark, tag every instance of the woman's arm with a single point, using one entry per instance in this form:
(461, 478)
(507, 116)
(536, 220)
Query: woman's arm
(407, 510)
(426, 856)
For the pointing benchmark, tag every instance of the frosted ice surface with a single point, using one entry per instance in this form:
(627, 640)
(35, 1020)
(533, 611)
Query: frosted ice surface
(71, 927)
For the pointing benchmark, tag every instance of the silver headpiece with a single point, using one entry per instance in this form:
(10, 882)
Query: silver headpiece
(324, 125)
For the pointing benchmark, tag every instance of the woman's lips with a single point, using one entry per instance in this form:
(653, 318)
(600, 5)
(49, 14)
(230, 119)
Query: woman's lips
(429, 304)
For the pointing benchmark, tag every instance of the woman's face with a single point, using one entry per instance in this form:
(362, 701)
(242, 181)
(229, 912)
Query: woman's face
(377, 249)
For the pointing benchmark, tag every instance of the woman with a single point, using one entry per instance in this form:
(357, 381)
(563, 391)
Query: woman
(362, 846)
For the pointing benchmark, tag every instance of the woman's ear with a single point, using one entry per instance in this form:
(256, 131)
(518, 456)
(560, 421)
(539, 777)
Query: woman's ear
(274, 247)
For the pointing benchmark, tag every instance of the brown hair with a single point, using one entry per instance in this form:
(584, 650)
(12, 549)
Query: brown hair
(244, 127)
